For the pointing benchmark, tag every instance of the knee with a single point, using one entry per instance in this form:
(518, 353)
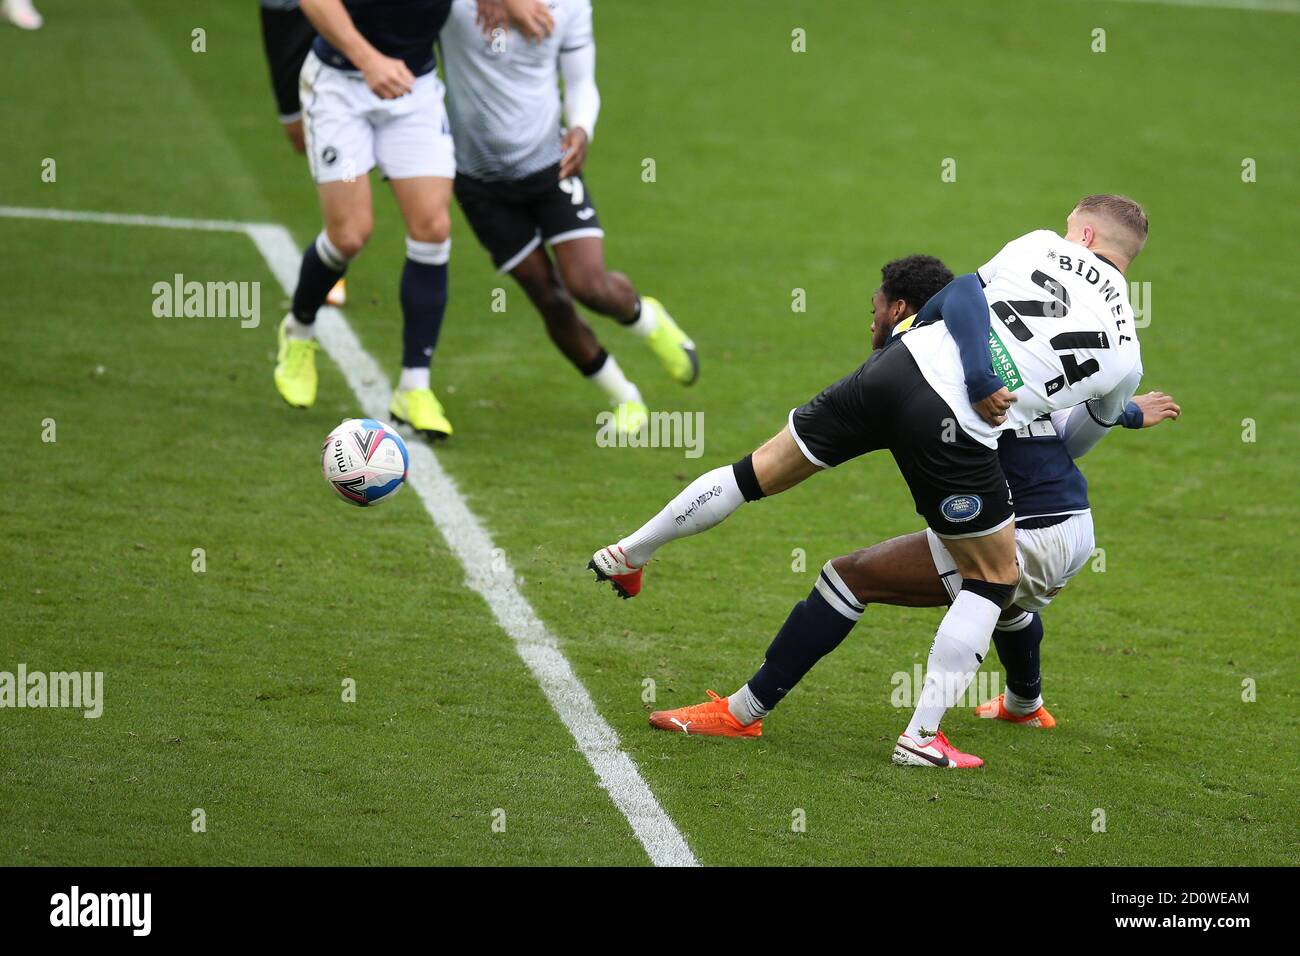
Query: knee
(556, 306)
(856, 576)
(350, 237)
(435, 226)
(589, 289)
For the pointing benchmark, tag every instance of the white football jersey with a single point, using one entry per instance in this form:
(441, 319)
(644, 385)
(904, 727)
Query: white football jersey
(1061, 332)
(503, 92)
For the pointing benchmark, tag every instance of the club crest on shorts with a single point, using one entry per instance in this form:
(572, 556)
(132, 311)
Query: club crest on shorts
(329, 155)
(958, 508)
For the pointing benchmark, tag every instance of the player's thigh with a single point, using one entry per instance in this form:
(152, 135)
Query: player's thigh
(347, 212)
(986, 557)
(502, 224)
(581, 261)
(536, 275)
(780, 465)
(900, 571)
(413, 135)
(423, 202)
(339, 137)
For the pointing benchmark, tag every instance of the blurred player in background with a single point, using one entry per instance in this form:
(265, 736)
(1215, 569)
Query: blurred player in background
(371, 97)
(287, 36)
(519, 182)
(22, 14)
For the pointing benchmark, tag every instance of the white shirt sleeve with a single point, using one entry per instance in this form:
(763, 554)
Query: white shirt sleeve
(1079, 430)
(1108, 409)
(578, 67)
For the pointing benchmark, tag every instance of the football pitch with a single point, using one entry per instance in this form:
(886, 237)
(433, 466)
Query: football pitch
(287, 680)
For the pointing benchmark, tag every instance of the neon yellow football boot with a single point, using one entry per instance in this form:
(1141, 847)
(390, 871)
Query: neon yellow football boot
(295, 369)
(420, 408)
(631, 417)
(672, 346)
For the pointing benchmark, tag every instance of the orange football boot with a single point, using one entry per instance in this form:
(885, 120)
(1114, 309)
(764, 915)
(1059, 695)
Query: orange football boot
(710, 719)
(338, 295)
(996, 709)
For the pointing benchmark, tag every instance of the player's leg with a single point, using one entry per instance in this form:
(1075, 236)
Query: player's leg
(340, 152)
(423, 202)
(987, 564)
(704, 503)
(899, 571)
(1017, 637)
(348, 219)
(826, 431)
(576, 341)
(958, 487)
(414, 149)
(570, 224)
(1050, 554)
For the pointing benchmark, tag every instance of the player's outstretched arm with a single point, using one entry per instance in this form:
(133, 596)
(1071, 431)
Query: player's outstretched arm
(388, 78)
(965, 312)
(1081, 431)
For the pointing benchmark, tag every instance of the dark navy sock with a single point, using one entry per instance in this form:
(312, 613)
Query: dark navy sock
(1018, 652)
(424, 301)
(316, 277)
(813, 629)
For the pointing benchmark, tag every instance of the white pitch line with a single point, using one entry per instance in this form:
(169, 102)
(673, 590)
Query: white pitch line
(487, 571)
(123, 219)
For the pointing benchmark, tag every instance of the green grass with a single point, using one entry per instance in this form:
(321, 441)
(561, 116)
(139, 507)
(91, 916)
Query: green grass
(775, 171)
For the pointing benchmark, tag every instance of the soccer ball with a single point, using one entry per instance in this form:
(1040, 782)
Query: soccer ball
(365, 461)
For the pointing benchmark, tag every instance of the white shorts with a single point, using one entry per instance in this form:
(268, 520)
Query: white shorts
(1048, 558)
(349, 130)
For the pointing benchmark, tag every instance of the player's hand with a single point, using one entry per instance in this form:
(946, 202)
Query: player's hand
(491, 15)
(388, 78)
(993, 409)
(532, 18)
(1156, 407)
(575, 152)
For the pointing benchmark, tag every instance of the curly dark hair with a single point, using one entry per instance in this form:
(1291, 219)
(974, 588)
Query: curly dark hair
(914, 279)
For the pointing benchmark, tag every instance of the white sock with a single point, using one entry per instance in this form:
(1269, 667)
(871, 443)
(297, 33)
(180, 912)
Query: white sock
(298, 330)
(614, 383)
(955, 656)
(413, 378)
(645, 322)
(702, 504)
(1019, 705)
(744, 706)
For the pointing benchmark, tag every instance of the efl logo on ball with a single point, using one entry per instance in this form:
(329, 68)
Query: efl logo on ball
(365, 461)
